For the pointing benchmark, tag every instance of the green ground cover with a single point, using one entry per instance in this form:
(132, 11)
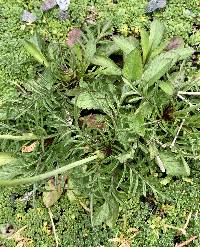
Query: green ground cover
(143, 221)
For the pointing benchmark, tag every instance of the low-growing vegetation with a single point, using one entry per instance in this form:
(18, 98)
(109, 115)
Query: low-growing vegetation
(102, 131)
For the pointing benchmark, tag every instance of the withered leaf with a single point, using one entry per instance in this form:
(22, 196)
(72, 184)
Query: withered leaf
(53, 193)
(174, 43)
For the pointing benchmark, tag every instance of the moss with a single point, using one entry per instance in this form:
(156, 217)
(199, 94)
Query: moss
(72, 223)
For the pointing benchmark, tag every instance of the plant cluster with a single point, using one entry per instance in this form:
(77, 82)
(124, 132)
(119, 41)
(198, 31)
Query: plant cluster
(107, 106)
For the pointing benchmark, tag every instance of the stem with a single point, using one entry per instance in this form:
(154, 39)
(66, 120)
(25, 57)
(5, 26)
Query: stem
(185, 111)
(46, 175)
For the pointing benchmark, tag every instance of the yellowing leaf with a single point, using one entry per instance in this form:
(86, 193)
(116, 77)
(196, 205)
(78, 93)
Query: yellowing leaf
(24, 137)
(6, 158)
(53, 193)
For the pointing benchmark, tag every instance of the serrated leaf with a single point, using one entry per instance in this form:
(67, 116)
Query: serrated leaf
(110, 68)
(36, 53)
(136, 122)
(133, 66)
(167, 87)
(156, 34)
(186, 166)
(173, 164)
(161, 64)
(145, 44)
(125, 44)
(101, 214)
(90, 50)
(89, 101)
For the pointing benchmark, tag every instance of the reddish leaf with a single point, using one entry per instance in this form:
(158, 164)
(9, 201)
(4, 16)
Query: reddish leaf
(73, 37)
(174, 43)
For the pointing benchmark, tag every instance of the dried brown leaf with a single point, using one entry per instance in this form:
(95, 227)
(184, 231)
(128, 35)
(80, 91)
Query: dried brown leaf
(30, 148)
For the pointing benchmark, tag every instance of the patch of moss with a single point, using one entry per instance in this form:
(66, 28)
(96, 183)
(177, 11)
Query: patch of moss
(72, 223)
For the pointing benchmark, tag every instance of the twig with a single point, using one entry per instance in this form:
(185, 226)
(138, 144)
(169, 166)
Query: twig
(53, 227)
(189, 93)
(187, 101)
(160, 163)
(184, 99)
(84, 206)
(186, 242)
(161, 144)
(175, 138)
(188, 220)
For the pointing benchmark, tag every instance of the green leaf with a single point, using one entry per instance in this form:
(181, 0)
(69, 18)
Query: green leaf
(157, 50)
(125, 44)
(136, 122)
(90, 101)
(113, 212)
(34, 50)
(144, 44)
(156, 34)
(90, 50)
(101, 214)
(186, 166)
(153, 151)
(167, 87)
(161, 64)
(174, 165)
(133, 66)
(6, 158)
(110, 68)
